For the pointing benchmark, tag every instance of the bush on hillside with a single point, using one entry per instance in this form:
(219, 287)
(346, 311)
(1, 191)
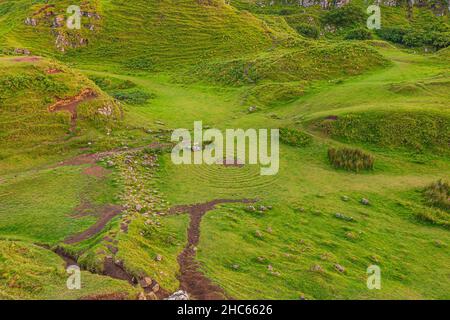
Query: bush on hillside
(309, 31)
(393, 34)
(350, 159)
(415, 38)
(106, 83)
(437, 195)
(133, 97)
(295, 137)
(346, 16)
(359, 34)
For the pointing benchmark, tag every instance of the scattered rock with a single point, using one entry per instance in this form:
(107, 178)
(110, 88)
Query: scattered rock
(339, 268)
(345, 198)
(269, 267)
(252, 109)
(58, 22)
(22, 51)
(155, 288)
(258, 234)
(142, 296)
(158, 257)
(351, 235)
(343, 217)
(179, 295)
(31, 22)
(235, 266)
(151, 296)
(365, 201)
(146, 282)
(316, 268)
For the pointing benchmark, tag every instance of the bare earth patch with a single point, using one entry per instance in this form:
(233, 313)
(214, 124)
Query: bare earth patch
(96, 171)
(27, 59)
(70, 104)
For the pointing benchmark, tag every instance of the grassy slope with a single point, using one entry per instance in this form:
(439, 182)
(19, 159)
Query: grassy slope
(30, 133)
(30, 272)
(165, 35)
(387, 233)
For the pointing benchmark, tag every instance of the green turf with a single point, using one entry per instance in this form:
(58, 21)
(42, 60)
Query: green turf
(211, 62)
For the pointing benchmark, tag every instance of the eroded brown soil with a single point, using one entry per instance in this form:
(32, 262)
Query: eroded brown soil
(27, 59)
(192, 280)
(70, 104)
(96, 171)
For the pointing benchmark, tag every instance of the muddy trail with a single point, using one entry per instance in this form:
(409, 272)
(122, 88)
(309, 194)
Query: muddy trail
(192, 280)
(106, 213)
(71, 104)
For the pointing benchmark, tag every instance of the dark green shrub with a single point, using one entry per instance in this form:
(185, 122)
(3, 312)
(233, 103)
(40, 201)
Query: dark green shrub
(140, 63)
(359, 34)
(346, 16)
(393, 34)
(133, 97)
(309, 31)
(437, 195)
(440, 40)
(416, 39)
(108, 84)
(295, 137)
(350, 159)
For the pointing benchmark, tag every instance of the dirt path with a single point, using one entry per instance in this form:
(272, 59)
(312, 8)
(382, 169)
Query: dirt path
(107, 213)
(27, 59)
(192, 280)
(93, 158)
(71, 104)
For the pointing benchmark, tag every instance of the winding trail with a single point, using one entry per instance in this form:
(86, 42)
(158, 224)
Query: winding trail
(106, 214)
(192, 280)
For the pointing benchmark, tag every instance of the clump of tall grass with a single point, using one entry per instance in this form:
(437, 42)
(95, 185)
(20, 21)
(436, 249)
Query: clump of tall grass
(437, 195)
(350, 159)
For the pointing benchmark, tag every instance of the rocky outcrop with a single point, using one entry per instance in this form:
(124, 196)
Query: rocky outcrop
(54, 18)
(179, 295)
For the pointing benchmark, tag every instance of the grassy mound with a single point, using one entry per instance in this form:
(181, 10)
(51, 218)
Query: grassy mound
(273, 94)
(416, 130)
(31, 272)
(169, 33)
(316, 61)
(28, 87)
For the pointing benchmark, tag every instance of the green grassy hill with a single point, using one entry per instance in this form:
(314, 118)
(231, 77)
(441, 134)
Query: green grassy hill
(139, 69)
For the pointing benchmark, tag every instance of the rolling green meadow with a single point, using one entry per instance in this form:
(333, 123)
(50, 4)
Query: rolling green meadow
(86, 118)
